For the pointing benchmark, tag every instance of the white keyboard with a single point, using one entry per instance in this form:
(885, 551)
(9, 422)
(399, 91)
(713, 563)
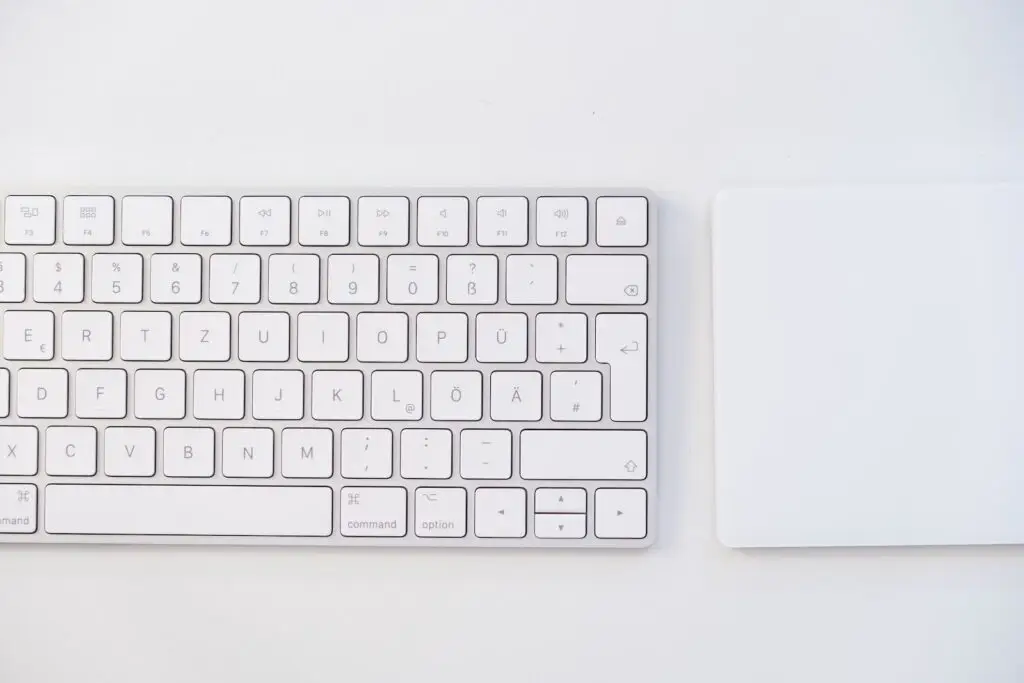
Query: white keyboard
(329, 367)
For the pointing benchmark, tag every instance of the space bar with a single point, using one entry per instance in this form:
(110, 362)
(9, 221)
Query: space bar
(189, 510)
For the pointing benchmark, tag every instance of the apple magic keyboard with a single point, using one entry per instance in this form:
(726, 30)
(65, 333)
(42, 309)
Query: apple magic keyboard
(328, 367)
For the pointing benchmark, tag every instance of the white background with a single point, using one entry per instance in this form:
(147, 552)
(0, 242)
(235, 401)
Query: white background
(681, 97)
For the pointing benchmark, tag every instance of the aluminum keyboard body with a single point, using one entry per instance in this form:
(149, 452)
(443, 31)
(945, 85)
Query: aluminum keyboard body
(346, 430)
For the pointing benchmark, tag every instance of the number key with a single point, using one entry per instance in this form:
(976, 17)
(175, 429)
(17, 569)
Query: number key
(12, 278)
(412, 279)
(58, 278)
(294, 279)
(235, 279)
(353, 279)
(176, 279)
(117, 278)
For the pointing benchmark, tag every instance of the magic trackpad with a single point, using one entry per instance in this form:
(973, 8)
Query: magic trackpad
(869, 366)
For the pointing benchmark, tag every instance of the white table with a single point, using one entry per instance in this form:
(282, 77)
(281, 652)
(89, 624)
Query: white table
(682, 97)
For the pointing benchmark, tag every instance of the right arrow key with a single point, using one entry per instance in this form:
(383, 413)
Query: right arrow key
(620, 513)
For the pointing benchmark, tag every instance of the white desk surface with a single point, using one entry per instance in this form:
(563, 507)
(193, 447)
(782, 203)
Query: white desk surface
(682, 97)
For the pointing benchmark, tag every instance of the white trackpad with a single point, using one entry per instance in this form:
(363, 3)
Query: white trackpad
(869, 366)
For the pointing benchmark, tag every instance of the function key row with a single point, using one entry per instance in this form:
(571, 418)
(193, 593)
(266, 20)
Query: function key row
(265, 221)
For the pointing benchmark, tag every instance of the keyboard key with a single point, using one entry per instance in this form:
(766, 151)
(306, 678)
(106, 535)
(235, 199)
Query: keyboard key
(116, 278)
(373, 511)
(101, 394)
(265, 221)
(12, 278)
(575, 396)
(176, 278)
(323, 337)
(43, 393)
(28, 335)
(561, 500)
(560, 526)
(205, 221)
(235, 279)
(396, 395)
(146, 220)
(307, 453)
(129, 451)
(324, 221)
(502, 221)
(188, 452)
(264, 337)
(561, 338)
(87, 335)
(71, 451)
(606, 280)
(440, 512)
(382, 337)
(501, 337)
(5, 393)
(485, 454)
(145, 336)
(620, 513)
(204, 336)
(622, 221)
(442, 221)
(88, 220)
(294, 279)
(19, 451)
(426, 454)
(500, 513)
(353, 279)
(189, 510)
(248, 453)
(30, 219)
(531, 279)
(383, 221)
(159, 394)
(516, 396)
(18, 508)
(366, 453)
(412, 279)
(456, 396)
(218, 394)
(472, 279)
(337, 395)
(561, 454)
(622, 344)
(561, 221)
(278, 394)
(442, 337)
(58, 278)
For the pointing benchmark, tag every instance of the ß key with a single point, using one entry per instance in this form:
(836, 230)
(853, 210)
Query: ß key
(329, 366)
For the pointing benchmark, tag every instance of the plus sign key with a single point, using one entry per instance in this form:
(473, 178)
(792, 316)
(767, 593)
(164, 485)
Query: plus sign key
(18, 509)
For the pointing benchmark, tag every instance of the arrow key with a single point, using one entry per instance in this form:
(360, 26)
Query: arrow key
(620, 513)
(500, 513)
(560, 500)
(560, 526)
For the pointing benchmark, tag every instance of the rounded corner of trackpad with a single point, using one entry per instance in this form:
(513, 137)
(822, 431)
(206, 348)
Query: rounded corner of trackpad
(869, 355)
